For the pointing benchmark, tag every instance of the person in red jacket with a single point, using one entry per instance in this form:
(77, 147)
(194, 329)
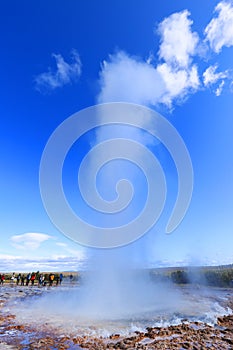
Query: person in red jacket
(33, 277)
(2, 279)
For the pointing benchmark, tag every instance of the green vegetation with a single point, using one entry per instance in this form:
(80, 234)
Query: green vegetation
(217, 276)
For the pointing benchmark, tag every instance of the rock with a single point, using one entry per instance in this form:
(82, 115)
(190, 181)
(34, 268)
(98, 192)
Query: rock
(114, 336)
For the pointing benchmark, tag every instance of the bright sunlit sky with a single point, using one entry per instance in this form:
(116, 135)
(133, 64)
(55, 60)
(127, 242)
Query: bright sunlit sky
(58, 57)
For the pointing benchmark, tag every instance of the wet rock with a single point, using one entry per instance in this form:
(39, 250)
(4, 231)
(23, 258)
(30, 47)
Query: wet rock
(114, 336)
(187, 335)
(228, 340)
(64, 339)
(77, 340)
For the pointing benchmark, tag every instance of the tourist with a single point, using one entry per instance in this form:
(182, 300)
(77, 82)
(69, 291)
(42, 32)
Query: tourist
(22, 280)
(33, 277)
(18, 278)
(28, 278)
(60, 278)
(41, 280)
(2, 279)
(57, 280)
(51, 278)
(13, 277)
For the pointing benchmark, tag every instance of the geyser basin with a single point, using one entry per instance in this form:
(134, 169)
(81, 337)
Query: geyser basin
(71, 311)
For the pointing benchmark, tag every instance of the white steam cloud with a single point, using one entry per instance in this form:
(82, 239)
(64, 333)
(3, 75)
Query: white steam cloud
(127, 78)
(175, 76)
(130, 79)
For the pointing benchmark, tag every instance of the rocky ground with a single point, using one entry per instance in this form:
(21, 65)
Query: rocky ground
(187, 335)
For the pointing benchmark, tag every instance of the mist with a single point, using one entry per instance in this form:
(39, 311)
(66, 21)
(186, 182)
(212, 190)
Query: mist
(115, 289)
(122, 181)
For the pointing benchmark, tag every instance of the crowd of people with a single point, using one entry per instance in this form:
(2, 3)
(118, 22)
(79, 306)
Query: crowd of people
(31, 278)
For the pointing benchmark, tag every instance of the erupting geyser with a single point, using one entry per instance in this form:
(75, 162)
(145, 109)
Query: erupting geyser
(115, 288)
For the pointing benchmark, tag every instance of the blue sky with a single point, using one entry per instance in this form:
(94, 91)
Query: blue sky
(59, 57)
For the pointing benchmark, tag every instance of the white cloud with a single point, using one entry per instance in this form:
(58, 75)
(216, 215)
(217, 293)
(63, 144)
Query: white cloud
(211, 77)
(125, 78)
(78, 253)
(73, 255)
(30, 241)
(8, 257)
(60, 244)
(65, 73)
(178, 42)
(218, 91)
(175, 76)
(179, 82)
(54, 263)
(66, 259)
(219, 32)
